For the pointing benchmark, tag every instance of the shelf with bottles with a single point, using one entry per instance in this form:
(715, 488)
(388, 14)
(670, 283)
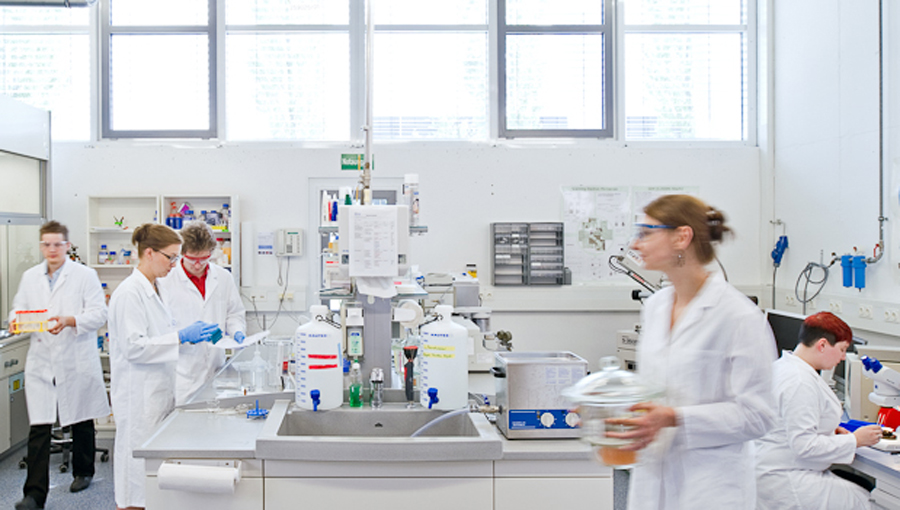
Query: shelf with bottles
(216, 211)
(225, 223)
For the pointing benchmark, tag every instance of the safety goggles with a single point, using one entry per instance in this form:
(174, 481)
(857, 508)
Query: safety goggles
(197, 260)
(642, 230)
(54, 246)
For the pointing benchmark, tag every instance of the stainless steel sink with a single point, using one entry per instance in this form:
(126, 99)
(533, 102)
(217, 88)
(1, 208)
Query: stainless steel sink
(392, 420)
(366, 434)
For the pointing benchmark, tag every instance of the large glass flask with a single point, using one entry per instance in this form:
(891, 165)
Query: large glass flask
(609, 393)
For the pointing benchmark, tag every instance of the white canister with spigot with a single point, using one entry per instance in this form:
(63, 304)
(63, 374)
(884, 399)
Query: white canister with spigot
(444, 361)
(317, 347)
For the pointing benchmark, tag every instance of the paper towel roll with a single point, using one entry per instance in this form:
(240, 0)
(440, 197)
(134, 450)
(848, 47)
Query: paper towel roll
(193, 478)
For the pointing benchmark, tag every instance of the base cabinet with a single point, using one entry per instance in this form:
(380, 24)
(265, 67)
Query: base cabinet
(248, 492)
(499, 485)
(519, 493)
(396, 494)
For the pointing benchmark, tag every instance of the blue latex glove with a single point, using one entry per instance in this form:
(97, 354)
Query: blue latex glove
(239, 337)
(197, 332)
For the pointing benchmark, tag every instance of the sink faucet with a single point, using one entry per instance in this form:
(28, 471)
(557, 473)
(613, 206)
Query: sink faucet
(376, 387)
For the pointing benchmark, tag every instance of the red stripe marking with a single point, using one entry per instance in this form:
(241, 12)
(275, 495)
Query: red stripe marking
(322, 356)
(321, 367)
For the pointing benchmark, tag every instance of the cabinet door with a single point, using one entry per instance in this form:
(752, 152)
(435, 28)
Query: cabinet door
(248, 495)
(393, 493)
(518, 493)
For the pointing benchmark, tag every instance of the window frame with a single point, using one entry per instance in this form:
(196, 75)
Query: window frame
(56, 29)
(610, 46)
(211, 29)
(749, 29)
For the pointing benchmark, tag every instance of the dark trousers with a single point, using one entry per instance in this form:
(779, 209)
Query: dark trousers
(83, 450)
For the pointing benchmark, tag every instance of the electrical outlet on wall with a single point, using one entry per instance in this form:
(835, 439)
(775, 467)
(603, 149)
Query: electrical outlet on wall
(790, 300)
(865, 311)
(891, 315)
(835, 306)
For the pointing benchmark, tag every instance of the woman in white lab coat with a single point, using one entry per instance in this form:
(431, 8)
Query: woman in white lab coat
(794, 457)
(143, 347)
(200, 290)
(709, 346)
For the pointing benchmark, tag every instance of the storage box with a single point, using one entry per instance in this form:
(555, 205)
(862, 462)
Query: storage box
(528, 388)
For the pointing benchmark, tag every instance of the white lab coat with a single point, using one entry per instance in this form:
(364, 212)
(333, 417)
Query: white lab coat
(793, 458)
(70, 357)
(198, 363)
(143, 348)
(715, 366)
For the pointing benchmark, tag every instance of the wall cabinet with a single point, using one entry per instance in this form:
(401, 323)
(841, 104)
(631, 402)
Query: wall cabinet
(112, 220)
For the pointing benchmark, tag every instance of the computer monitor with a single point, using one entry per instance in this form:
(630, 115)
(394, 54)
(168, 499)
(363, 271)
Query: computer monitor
(786, 328)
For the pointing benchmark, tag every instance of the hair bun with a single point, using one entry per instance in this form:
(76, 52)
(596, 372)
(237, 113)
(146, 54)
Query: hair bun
(715, 220)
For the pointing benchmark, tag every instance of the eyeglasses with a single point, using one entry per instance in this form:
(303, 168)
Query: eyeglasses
(643, 230)
(197, 260)
(172, 258)
(55, 246)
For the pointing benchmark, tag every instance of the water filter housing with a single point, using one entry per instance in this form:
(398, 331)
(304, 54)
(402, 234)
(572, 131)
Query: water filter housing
(445, 361)
(317, 347)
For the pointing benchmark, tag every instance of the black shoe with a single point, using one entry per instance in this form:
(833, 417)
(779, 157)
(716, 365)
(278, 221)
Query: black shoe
(28, 503)
(80, 483)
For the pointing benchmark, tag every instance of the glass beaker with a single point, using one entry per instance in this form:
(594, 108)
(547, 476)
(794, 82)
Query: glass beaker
(604, 395)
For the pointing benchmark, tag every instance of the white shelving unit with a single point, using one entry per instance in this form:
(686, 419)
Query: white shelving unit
(104, 211)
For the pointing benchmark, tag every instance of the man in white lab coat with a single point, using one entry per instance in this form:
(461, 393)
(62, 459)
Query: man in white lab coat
(62, 370)
(200, 290)
(794, 457)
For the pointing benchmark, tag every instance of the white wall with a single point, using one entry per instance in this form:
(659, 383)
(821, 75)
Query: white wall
(826, 175)
(464, 187)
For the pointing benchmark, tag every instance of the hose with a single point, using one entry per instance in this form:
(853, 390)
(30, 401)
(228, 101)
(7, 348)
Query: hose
(439, 419)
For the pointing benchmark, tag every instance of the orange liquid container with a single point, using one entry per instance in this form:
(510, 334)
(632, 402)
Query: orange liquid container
(612, 456)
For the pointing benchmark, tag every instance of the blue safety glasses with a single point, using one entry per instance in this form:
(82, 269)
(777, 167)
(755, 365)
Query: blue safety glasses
(643, 230)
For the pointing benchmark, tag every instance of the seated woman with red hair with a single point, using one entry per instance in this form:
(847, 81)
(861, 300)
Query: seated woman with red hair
(794, 457)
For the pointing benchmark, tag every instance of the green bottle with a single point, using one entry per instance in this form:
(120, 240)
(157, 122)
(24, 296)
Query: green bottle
(355, 386)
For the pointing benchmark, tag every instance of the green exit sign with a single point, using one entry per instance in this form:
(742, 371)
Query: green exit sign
(354, 161)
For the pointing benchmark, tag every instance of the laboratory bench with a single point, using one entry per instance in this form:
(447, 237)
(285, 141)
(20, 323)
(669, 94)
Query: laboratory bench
(527, 473)
(212, 440)
(884, 467)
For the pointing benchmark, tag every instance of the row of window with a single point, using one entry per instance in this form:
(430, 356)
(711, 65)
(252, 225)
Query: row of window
(443, 69)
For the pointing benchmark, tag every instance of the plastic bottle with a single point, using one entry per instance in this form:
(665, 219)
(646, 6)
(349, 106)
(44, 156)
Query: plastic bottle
(346, 374)
(444, 361)
(355, 385)
(317, 347)
(113, 258)
(226, 251)
(217, 252)
(102, 255)
(212, 218)
(105, 292)
(411, 197)
(225, 217)
(259, 369)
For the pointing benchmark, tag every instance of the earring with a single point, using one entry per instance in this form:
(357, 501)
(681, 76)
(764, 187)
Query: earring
(679, 258)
